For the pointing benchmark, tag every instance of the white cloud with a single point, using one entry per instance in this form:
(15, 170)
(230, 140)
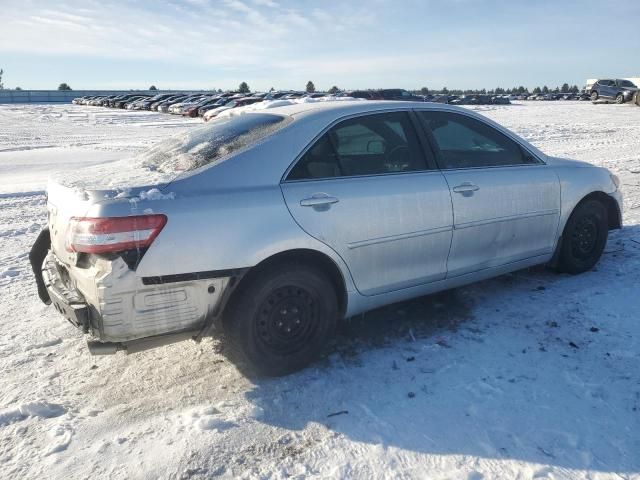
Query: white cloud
(224, 35)
(267, 3)
(286, 42)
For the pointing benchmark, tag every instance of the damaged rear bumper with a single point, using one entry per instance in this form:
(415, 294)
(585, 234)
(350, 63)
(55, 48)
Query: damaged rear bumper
(123, 312)
(66, 301)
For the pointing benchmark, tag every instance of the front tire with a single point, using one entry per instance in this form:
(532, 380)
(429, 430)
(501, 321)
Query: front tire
(584, 237)
(619, 99)
(281, 319)
(594, 96)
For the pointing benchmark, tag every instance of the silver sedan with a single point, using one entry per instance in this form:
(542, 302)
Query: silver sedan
(275, 224)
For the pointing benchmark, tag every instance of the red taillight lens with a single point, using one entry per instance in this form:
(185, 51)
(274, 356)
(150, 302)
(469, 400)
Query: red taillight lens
(113, 234)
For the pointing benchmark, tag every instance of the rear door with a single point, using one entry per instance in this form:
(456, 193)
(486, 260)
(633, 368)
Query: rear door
(506, 202)
(364, 188)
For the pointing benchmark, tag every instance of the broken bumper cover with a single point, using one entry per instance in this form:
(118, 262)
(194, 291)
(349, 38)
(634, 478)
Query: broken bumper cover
(69, 303)
(121, 311)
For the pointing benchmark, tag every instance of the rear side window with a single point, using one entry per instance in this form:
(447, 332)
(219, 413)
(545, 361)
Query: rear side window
(626, 83)
(209, 144)
(464, 142)
(368, 145)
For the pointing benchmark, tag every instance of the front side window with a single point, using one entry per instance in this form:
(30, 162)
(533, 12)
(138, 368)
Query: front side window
(369, 145)
(464, 142)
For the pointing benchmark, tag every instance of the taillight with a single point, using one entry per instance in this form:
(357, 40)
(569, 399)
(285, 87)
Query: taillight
(113, 234)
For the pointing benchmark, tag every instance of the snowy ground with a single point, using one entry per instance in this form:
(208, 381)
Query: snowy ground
(529, 375)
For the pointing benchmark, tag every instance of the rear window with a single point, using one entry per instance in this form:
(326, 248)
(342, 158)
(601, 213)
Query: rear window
(211, 143)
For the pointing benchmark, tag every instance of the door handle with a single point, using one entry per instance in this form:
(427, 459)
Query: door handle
(466, 187)
(318, 200)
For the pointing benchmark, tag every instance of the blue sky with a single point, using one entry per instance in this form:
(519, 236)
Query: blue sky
(284, 43)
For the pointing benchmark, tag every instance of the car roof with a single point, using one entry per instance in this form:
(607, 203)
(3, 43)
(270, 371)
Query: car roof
(337, 109)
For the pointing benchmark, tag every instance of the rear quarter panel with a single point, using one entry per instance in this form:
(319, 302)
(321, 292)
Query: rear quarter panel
(224, 229)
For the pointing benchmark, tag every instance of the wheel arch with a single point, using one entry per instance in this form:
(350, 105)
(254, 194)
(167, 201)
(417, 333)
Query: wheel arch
(614, 215)
(309, 257)
(614, 218)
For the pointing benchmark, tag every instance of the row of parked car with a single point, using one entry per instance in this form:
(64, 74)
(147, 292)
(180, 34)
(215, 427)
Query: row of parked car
(399, 94)
(210, 104)
(205, 105)
(554, 96)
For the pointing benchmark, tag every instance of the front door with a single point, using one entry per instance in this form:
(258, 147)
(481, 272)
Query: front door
(506, 202)
(607, 88)
(364, 189)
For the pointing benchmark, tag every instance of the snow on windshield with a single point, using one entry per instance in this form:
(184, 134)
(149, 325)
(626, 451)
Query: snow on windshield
(190, 150)
(179, 154)
(209, 144)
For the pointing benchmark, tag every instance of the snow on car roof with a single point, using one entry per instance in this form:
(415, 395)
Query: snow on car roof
(299, 107)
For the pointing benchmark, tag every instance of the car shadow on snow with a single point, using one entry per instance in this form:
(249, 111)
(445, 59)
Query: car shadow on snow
(527, 366)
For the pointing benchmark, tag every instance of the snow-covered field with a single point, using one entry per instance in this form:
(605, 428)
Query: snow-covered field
(529, 375)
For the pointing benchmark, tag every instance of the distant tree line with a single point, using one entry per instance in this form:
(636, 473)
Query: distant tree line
(311, 88)
(565, 88)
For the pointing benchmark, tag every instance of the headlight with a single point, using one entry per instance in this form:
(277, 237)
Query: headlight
(615, 180)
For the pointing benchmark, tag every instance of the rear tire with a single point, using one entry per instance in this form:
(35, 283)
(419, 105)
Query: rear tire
(281, 319)
(584, 237)
(619, 99)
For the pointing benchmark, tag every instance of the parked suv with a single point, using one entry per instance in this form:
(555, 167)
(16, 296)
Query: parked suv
(618, 90)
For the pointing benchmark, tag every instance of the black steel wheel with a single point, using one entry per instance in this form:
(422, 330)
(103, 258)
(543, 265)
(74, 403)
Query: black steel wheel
(286, 320)
(280, 320)
(584, 238)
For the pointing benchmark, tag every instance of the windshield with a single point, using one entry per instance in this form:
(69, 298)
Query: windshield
(209, 144)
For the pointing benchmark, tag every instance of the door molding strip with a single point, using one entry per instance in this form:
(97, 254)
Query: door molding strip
(477, 223)
(402, 236)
